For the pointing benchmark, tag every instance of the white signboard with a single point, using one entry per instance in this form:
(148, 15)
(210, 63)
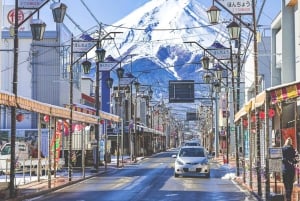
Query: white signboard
(220, 54)
(9, 20)
(275, 152)
(30, 3)
(126, 80)
(82, 46)
(275, 165)
(106, 66)
(237, 6)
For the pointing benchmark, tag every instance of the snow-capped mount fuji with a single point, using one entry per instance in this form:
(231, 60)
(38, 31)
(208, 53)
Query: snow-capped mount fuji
(154, 36)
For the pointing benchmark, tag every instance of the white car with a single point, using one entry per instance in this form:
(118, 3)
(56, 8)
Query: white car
(191, 161)
(191, 143)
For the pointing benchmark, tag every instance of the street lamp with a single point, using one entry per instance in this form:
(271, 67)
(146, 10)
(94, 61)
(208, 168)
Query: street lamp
(205, 62)
(37, 31)
(86, 65)
(213, 14)
(137, 88)
(109, 81)
(58, 11)
(120, 72)
(100, 53)
(215, 80)
(234, 31)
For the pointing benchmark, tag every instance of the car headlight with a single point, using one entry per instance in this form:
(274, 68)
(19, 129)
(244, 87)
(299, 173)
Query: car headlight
(204, 162)
(179, 162)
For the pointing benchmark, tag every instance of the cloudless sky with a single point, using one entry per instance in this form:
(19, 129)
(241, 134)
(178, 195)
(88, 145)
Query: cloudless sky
(110, 11)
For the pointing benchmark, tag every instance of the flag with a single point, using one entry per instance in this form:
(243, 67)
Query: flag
(86, 37)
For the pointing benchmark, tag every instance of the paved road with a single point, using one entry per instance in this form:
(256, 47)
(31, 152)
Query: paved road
(152, 180)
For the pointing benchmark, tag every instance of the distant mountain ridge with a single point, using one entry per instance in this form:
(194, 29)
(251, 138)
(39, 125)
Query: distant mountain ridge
(154, 36)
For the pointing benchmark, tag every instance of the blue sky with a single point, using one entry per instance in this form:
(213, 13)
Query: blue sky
(110, 11)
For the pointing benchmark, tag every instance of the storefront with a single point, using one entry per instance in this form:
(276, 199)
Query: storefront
(277, 110)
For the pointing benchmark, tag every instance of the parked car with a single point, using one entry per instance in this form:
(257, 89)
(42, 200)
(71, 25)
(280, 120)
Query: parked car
(192, 161)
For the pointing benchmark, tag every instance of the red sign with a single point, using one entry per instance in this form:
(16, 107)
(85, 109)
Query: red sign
(11, 16)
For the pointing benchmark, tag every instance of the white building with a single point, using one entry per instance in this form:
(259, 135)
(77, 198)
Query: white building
(43, 68)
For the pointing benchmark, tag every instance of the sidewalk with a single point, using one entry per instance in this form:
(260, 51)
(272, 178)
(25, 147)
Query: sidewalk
(275, 188)
(36, 188)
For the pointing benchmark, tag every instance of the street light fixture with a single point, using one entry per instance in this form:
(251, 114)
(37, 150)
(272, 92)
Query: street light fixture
(120, 72)
(137, 86)
(37, 29)
(234, 30)
(213, 14)
(150, 93)
(109, 82)
(58, 11)
(100, 53)
(205, 62)
(207, 77)
(86, 65)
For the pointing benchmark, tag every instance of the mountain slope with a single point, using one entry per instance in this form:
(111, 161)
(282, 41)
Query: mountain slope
(154, 36)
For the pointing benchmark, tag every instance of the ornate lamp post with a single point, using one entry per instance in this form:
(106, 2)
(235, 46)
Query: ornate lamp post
(213, 14)
(86, 65)
(109, 81)
(37, 28)
(234, 31)
(100, 53)
(58, 11)
(137, 87)
(215, 79)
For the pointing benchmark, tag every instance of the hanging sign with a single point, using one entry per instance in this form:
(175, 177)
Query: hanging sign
(83, 46)
(32, 4)
(219, 51)
(237, 6)
(106, 66)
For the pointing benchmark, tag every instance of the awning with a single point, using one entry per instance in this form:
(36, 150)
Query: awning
(11, 100)
(285, 92)
(277, 94)
(242, 112)
(259, 100)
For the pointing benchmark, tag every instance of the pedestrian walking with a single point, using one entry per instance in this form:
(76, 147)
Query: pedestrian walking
(289, 155)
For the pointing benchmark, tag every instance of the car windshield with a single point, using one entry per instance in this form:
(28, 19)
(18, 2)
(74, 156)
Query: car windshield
(191, 152)
(191, 144)
(5, 150)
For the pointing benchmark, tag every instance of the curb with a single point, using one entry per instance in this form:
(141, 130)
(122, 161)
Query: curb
(39, 193)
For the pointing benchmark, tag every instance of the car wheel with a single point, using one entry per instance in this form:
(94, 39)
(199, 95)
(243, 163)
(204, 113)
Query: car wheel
(176, 175)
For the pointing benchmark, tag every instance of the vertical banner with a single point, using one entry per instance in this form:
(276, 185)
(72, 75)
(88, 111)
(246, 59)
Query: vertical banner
(57, 141)
(105, 92)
